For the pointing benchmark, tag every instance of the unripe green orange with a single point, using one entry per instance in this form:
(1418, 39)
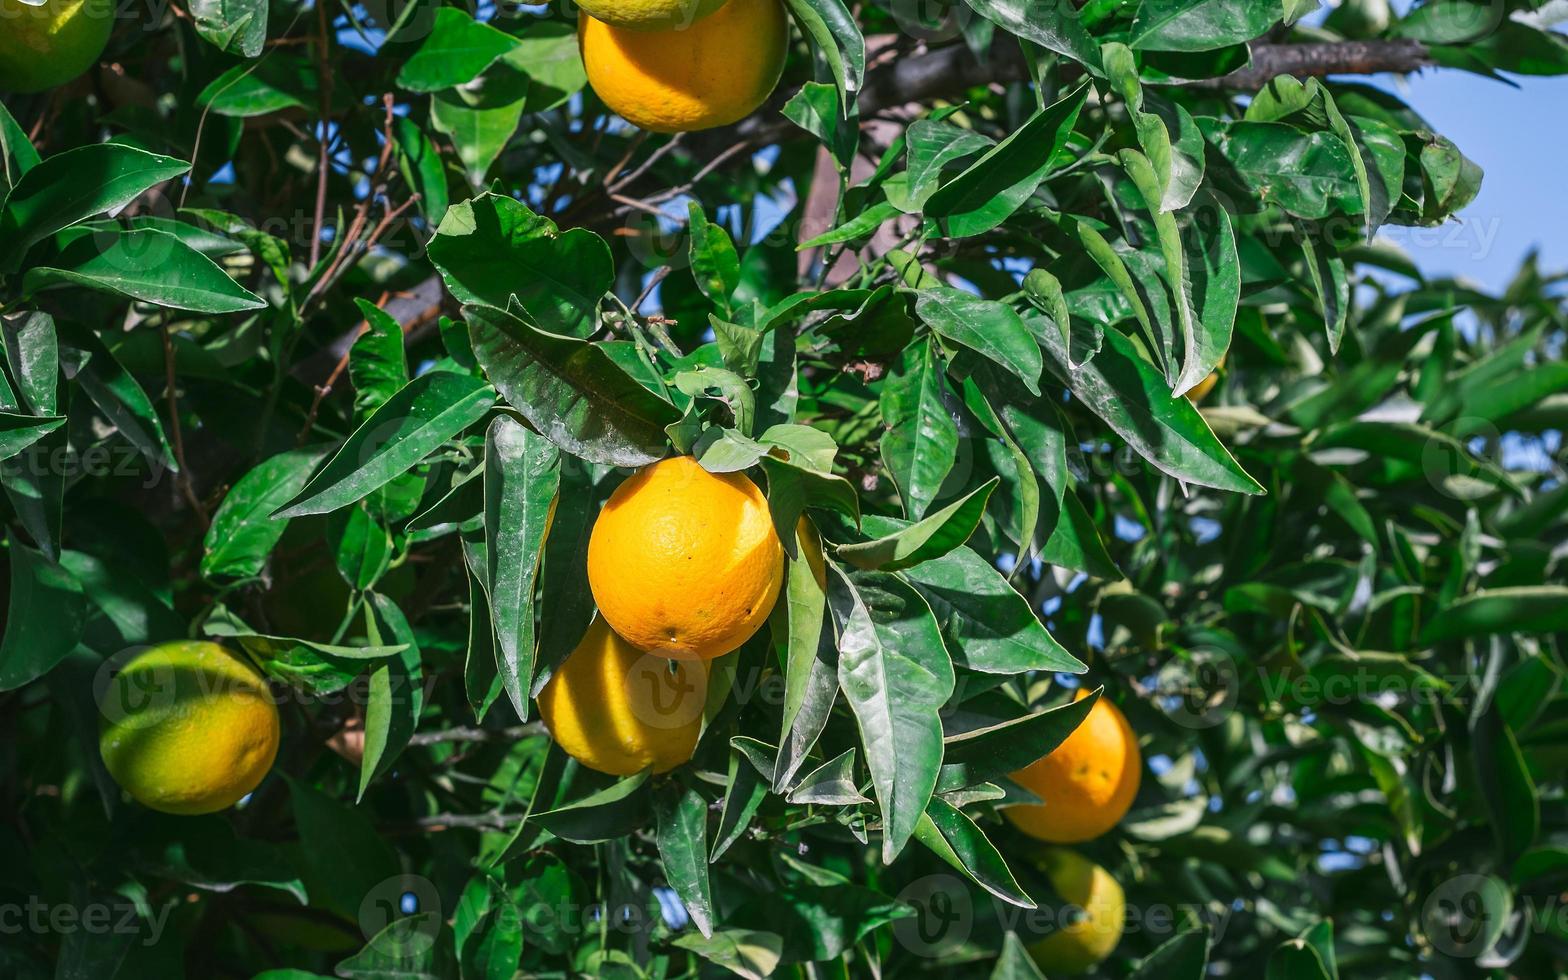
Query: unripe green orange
(52, 42)
(188, 727)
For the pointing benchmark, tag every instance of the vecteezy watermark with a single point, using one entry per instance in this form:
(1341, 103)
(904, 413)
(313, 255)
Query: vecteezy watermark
(403, 913)
(944, 915)
(1199, 689)
(121, 917)
(1472, 916)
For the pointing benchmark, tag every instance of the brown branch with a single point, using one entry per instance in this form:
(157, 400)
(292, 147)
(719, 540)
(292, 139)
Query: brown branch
(324, 166)
(325, 388)
(1321, 60)
(513, 734)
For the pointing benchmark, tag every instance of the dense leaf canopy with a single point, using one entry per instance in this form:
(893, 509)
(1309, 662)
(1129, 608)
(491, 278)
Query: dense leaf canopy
(329, 328)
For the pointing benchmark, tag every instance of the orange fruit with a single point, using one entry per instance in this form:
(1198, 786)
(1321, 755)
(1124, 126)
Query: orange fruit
(1200, 391)
(50, 44)
(618, 710)
(1086, 784)
(685, 563)
(188, 728)
(713, 72)
(1090, 926)
(649, 15)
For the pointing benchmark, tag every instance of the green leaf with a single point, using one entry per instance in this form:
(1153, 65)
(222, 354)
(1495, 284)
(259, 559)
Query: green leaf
(921, 441)
(1015, 963)
(412, 424)
(681, 815)
(17, 432)
(478, 133)
(987, 327)
(1185, 956)
(377, 363)
(999, 750)
(522, 478)
(614, 811)
(1512, 801)
(744, 792)
(1201, 25)
(987, 625)
(565, 591)
(1296, 959)
(349, 864)
(900, 545)
(1308, 174)
(1053, 24)
(1166, 132)
(895, 674)
(119, 396)
(243, 534)
(958, 841)
(830, 784)
(748, 953)
(234, 26)
(993, 187)
(810, 668)
(1212, 282)
(395, 690)
(17, 153)
(74, 185)
(205, 852)
(457, 49)
(836, 35)
(493, 250)
(148, 265)
(33, 352)
(271, 84)
(714, 262)
(571, 391)
(1129, 395)
(818, 110)
(420, 162)
(44, 617)
(1331, 283)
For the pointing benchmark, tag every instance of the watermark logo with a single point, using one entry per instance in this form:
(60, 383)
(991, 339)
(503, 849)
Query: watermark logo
(944, 915)
(405, 912)
(1198, 690)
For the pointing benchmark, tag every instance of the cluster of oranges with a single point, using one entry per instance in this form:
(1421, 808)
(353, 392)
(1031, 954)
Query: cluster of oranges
(685, 566)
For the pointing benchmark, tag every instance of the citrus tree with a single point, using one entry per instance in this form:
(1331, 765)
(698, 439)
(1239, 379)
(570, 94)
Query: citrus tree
(771, 488)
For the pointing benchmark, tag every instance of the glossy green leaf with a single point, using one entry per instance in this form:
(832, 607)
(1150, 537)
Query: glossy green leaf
(522, 478)
(894, 673)
(412, 424)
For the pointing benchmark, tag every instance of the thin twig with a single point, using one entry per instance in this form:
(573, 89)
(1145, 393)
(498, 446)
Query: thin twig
(469, 734)
(176, 431)
(631, 150)
(642, 168)
(650, 286)
(324, 166)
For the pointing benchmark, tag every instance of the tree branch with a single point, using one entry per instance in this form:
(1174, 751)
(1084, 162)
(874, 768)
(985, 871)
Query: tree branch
(1320, 60)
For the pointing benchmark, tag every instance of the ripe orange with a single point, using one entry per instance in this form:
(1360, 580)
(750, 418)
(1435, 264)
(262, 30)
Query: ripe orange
(713, 72)
(649, 15)
(685, 563)
(1086, 784)
(618, 710)
(1093, 920)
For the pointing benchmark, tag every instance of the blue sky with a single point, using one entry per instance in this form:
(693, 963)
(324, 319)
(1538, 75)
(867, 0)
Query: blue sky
(1520, 138)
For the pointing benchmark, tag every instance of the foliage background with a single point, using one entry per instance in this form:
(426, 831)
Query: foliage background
(1331, 602)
